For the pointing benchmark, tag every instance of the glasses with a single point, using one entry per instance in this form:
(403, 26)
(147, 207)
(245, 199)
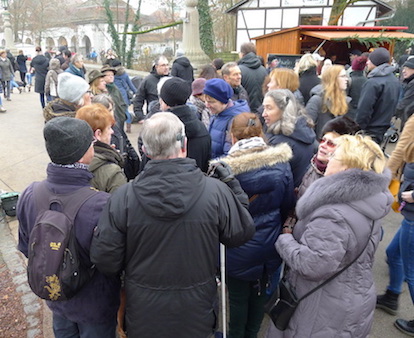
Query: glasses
(329, 143)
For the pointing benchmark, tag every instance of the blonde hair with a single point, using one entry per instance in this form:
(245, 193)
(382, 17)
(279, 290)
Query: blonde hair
(306, 61)
(361, 152)
(286, 78)
(334, 98)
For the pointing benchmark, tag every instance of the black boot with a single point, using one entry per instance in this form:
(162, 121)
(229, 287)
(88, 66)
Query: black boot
(388, 302)
(406, 326)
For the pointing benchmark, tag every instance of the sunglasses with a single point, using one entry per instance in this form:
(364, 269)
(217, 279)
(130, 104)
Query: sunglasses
(329, 143)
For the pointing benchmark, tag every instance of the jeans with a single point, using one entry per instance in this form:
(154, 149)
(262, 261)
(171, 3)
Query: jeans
(246, 307)
(64, 328)
(400, 253)
(42, 99)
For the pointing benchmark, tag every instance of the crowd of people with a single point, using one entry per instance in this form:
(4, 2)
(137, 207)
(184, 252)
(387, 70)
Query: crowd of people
(279, 165)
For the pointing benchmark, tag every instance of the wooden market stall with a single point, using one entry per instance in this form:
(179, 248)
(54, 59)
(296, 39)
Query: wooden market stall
(329, 41)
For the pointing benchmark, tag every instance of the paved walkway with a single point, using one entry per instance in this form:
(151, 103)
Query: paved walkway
(23, 160)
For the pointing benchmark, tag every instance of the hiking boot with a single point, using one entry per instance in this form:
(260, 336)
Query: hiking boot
(388, 302)
(406, 326)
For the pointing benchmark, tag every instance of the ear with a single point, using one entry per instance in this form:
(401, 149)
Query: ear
(144, 150)
(98, 134)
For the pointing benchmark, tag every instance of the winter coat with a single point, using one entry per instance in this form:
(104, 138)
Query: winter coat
(314, 109)
(263, 172)
(120, 107)
(21, 62)
(40, 63)
(357, 80)
(198, 137)
(378, 100)
(124, 84)
(396, 161)
(106, 167)
(240, 94)
(220, 126)
(335, 215)
(147, 92)
(59, 107)
(182, 68)
(75, 71)
(98, 300)
(52, 77)
(164, 229)
(405, 107)
(301, 141)
(308, 79)
(253, 75)
(6, 69)
(311, 175)
(406, 185)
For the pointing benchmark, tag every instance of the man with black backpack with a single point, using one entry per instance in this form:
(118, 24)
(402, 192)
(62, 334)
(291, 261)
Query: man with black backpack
(57, 218)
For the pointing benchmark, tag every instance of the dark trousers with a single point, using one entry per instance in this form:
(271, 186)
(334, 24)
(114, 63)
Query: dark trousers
(246, 307)
(64, 328)
(42, 99)
(23, 77)
(6, 89)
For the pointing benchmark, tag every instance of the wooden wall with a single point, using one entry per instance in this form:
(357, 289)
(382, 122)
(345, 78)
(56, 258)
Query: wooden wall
(288, 43)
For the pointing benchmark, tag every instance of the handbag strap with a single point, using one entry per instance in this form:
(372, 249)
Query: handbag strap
(340, 271)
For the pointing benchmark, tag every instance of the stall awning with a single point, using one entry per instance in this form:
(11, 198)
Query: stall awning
(334, 35)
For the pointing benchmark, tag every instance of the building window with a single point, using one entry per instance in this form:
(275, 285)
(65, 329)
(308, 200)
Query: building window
(310, 19)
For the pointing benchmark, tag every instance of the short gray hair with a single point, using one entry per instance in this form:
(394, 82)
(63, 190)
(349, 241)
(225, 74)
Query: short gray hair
(225, 70)
(291, 112)
(162, 136)
(77, 57)
(104, 99)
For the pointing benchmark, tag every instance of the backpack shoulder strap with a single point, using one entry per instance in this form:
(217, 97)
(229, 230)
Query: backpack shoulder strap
(70, 203)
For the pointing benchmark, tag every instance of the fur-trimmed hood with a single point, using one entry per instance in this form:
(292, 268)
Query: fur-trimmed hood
(365, 191)
(246, 160)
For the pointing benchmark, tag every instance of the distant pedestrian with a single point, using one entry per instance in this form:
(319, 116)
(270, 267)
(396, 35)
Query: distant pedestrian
(6, 72)
(182, 68)
(76, 66)
(51, 84)
(308, 77)
(40, 64)
(22, 68)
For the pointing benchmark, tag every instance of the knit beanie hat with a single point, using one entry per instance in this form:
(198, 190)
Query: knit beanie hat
(359, 63)
(341, 125)
(409, 63)
(380, 56)
(71, 87)
(198, 85)
(218, 89)
(67, 139)
(175, 92)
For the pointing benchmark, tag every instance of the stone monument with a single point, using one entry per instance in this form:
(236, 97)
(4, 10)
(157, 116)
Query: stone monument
(191, 37)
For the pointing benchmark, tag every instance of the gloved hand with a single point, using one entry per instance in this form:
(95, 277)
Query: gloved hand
(223, 172)
(220, 170)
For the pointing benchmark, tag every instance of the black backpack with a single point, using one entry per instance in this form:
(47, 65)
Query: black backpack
(55, 271)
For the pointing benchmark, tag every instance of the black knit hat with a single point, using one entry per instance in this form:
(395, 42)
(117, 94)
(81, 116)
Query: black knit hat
(409, 63)
(341, 125)
(67, 139)
(175, 92)
(380, 56)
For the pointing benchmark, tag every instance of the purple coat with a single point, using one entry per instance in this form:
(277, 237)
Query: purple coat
(98, 300)
(335, 217)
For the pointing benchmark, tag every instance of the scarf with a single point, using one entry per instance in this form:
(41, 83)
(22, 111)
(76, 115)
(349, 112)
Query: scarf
(320, 165)
(247, 143)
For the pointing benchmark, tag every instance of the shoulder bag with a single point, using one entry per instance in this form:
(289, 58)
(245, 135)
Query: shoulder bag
(283, 303)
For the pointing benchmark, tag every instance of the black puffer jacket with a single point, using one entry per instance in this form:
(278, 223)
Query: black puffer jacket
(182, 68)
(164, 229)
(253, 75)
(378, 100)
(308, 79)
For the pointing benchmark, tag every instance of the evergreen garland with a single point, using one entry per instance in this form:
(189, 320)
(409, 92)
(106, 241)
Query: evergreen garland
(206, 28)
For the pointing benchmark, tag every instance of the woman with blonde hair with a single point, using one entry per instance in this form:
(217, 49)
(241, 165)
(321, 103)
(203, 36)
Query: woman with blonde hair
(97, 82)
(329, 99)
(285, 78)
(264, 174)
(338, 231)
(308, 77)
(107, 163)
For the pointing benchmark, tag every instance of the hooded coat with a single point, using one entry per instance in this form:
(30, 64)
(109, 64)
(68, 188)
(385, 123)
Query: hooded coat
(106, 167)
(52, 77)
(253, 75)
(59, 107)
(164, 229)
(40, 63)
(301, 141)
(378, 100)
(124, 84)
(308, 79)
(263, 172)
(182, 68)
(336, 215)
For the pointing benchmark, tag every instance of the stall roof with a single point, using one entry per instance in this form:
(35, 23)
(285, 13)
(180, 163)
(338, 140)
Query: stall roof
(342, 32)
